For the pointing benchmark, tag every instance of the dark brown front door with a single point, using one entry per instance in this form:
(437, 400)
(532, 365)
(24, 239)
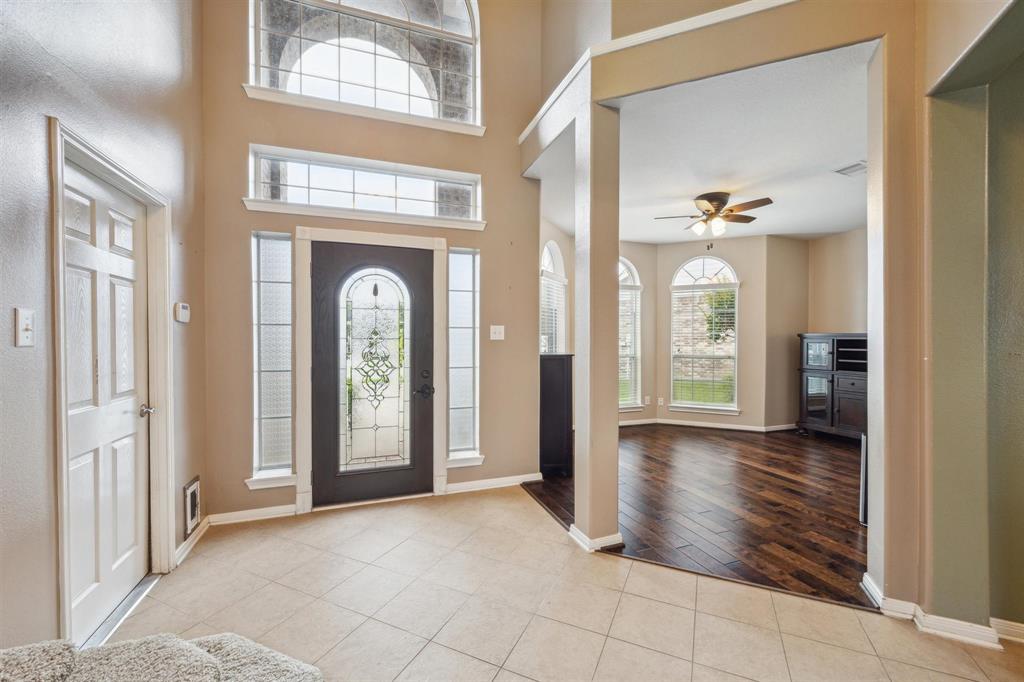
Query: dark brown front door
(373, 350)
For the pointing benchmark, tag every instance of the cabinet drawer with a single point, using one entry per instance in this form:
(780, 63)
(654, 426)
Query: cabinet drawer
(847, 383)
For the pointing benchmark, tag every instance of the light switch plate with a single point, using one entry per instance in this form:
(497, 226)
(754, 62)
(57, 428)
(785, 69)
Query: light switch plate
(661, 402)
(497, 332)
(24, 327)
(182, 312)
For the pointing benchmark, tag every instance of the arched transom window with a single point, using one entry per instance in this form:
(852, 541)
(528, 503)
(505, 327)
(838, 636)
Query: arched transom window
(552, 300)
(410, 56)
(629, 335)
(703, 334)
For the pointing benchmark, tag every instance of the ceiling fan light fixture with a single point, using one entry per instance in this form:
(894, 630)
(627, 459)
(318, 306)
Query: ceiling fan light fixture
(699, 227)
(717, 226)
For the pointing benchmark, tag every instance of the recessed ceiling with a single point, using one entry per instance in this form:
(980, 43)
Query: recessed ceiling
(780, 130)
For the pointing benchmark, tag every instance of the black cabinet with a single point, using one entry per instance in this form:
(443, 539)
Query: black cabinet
(834, 383)
(556, 436)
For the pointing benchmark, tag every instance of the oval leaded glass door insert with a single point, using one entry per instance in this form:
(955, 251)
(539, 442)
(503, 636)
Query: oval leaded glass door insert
(374, 349)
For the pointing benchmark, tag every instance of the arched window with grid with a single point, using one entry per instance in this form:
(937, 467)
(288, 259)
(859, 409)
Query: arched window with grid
(552, 300)
(629, 335)
(703, 334)
(415, 57)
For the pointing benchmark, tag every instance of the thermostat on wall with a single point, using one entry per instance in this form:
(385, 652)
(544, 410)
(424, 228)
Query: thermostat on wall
(182, 312)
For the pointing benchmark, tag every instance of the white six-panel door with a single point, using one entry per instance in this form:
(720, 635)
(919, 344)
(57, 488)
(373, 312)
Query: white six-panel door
(106, 383)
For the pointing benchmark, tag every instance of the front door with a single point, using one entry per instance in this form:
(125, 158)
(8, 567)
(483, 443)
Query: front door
(106, 379)
(373, 354)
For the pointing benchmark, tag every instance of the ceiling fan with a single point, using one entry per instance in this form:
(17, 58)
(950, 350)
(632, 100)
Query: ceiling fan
(715, 214)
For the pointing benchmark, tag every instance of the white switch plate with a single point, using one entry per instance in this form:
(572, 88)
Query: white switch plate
(661, 401)
(647, 400)
(497, 332)
(25, 327)
(182, 312)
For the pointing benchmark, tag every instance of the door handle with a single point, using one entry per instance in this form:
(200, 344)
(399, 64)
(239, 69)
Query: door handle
(425, 391)
(145, 410)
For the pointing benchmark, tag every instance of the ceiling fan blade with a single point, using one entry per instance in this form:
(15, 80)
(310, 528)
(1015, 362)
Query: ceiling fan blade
(733, 218)
(748, 205)
(667, 217)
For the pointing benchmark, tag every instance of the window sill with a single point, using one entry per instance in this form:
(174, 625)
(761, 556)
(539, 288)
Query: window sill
(703, 409)
(632, 408)
(469, 458)
(280, 97)
(269, 206)
(270, 479)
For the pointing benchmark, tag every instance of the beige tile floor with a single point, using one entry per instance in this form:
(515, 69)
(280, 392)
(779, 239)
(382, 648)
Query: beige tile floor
(486, 586)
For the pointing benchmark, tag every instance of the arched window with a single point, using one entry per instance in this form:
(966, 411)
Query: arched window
(703, 334)
(412, 56)
(629, 335)
(552, 300)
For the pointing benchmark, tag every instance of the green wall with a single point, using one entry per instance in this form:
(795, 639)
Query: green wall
(1006, 342)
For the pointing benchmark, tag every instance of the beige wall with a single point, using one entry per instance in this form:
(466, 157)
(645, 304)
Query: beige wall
(631, 16)
(568, 28)
(644, 258)
(125, 76)
(509, 245)
(947, 29)
(786, 312)
(837, 283)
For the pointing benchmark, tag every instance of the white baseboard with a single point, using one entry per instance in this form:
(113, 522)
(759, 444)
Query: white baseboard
(1007, 629)
(186, 547)
(727, 427)
(963, 631)
(489, 483)
(593, 544)
(252, 514)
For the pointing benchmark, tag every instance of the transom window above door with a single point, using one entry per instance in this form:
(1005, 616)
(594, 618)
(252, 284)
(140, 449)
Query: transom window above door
(286, 180)
(414, 57)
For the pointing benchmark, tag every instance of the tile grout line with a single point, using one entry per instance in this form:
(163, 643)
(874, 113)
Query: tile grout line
(782, 640)
(611, 623)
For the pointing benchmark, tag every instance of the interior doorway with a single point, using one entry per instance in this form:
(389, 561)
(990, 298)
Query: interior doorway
(744, 236)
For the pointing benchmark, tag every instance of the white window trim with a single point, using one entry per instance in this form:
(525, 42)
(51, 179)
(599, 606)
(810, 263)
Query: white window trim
(735, 286)
(304, 155)
(258, 92)
(464, 458)
(271, 478)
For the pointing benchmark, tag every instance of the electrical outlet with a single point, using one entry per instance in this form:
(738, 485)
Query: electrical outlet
(497, 332)
(647, 400)
(661, 401)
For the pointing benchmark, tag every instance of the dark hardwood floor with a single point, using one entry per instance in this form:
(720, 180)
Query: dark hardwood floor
(776, 509)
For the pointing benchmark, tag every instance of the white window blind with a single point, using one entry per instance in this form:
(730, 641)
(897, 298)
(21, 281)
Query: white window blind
(629, 335)
(411, 56)
(272, 350)
(464, 351)
(552, 300)
(363, 185)
(703, 334)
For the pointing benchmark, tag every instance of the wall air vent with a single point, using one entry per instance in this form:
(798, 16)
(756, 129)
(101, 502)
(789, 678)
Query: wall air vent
(853, 169)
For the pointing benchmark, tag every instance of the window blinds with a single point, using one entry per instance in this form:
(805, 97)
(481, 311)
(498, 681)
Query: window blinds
(629, 351)
(552, 315)
(704, 347)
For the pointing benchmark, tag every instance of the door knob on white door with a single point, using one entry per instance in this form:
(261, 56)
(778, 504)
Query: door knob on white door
(145, 410)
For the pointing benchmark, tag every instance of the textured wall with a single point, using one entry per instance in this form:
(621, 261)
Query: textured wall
(509, 245)
(785, 316)
(1005, 334)
(568, 28)
(837, 296)
(126, 77)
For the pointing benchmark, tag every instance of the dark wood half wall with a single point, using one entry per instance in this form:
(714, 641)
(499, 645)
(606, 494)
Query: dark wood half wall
(775, 509)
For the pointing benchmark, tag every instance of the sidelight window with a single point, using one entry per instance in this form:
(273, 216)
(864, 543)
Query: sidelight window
(703, 334)
(464, 354)
(272, 351)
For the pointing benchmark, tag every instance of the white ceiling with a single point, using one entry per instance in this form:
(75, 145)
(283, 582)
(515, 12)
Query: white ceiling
(778, 130)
